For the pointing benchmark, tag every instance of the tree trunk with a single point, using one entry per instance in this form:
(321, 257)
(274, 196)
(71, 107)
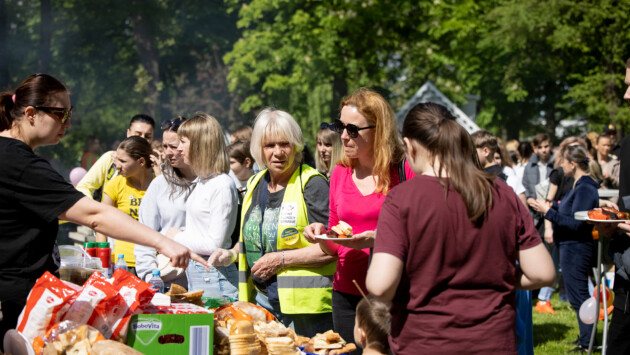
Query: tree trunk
(148, 55)
(339, 90)
(45, 35)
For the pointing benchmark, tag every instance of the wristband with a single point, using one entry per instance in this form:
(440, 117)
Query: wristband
(232, 256)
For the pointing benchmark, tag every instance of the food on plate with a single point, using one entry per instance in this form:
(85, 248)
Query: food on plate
(178, 293)
(328, 343)
(343, 229)
(607, 213)
(281, 346)
(176, 290)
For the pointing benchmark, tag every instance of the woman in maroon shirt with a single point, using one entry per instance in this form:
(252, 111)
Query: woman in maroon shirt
(448, 244)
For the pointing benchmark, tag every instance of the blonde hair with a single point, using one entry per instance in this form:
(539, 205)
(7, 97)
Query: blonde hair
(374, 318)
(207, 153)
(273, 124)
(388, 148)
(331, 137)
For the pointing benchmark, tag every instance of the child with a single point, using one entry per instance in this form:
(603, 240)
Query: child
(371, 326)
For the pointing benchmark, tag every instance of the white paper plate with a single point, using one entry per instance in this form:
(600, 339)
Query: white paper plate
(328, 237)
(583, 216)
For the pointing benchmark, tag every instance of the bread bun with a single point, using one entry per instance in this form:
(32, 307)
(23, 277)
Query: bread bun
(242, 327)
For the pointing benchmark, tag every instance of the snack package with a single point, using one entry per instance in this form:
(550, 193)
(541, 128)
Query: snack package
(98, 304)
(73, 338)
(135, 292)
(47, 303)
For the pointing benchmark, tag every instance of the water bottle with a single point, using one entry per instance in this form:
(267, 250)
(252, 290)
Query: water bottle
(121, 263)
(156, 282)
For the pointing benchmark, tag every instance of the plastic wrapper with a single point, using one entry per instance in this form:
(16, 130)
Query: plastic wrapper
(47, 303)
(67, 337)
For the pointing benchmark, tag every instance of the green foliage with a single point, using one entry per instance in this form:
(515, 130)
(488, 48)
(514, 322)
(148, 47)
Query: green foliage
(96, 54)
(532, 63)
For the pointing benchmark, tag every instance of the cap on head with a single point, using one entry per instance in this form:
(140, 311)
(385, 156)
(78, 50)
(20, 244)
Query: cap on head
(610, 128)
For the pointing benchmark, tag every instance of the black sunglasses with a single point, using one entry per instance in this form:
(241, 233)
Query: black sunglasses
(338, 126)
(62, 114)
(172, 125)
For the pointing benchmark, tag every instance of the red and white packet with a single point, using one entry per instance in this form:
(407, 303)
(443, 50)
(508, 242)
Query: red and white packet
(47, 303)
(135, 293)
(98, 304)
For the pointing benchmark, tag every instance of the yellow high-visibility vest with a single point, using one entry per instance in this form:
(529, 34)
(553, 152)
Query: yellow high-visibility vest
(300, 290)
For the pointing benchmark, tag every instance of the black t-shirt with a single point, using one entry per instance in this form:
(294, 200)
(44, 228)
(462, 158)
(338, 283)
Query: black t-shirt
(32, 196)
(316, 198)
(564, 183)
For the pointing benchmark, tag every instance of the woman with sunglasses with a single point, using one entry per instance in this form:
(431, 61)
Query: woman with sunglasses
(211, 208)
(448, 244)
(369, 168)
(33, 196)
(164, 205)
(328, 150)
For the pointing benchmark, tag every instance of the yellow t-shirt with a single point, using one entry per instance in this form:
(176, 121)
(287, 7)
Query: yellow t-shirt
(127, 199)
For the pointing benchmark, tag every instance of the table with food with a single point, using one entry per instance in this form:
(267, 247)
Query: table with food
(125, 315)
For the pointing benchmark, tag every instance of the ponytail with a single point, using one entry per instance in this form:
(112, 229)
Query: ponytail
(33, 91)
(435, 129)
(6, 105)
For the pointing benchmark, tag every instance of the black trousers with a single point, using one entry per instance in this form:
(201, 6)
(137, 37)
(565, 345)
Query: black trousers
(618, 339)
(344, 306)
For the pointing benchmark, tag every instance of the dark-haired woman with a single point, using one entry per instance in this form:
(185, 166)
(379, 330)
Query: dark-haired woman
(448, 241)
(574, 238)
(125, 191)
(33, 196)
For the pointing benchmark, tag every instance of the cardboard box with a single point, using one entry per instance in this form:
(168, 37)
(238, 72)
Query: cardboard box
(172, 334)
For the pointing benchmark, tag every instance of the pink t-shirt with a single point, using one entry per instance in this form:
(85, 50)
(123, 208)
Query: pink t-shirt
(361, 212)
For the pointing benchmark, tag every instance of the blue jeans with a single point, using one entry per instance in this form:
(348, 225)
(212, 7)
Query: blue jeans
(303, 324)
(576, 260)
(217, 282)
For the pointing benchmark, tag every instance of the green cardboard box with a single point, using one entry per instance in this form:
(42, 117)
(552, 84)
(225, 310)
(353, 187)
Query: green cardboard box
(172, 334)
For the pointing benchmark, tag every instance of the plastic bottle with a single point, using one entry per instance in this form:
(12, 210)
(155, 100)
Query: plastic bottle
(90, 248)
(156, 281)
(105, 254)
(121, 263)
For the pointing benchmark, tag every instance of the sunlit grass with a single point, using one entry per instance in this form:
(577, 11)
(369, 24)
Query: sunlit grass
(554, 332)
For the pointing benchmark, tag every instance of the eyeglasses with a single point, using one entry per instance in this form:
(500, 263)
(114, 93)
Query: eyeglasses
(338, 126)
(60, 113)
(172, 125)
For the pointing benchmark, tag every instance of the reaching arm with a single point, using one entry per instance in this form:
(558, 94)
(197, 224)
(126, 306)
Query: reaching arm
(101, 238)
(111, 221)
(384, 276)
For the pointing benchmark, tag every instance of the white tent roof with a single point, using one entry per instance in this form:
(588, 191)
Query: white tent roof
(429, 93)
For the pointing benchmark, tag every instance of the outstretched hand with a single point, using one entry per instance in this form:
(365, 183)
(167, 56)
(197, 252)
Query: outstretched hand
(221, 257)
(358, 241)
(312, 230)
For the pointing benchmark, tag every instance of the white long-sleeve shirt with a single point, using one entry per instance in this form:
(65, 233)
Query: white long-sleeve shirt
(159, 212)
(211, 212)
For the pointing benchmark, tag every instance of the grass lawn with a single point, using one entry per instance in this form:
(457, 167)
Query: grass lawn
(554, 332)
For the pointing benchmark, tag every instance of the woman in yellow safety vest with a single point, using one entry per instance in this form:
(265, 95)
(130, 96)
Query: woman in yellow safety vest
(278, 269)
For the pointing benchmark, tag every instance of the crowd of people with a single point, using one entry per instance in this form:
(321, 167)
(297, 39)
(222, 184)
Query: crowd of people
(450, 230)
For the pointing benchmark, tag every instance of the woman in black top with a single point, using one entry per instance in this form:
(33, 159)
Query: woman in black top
(33, 196)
